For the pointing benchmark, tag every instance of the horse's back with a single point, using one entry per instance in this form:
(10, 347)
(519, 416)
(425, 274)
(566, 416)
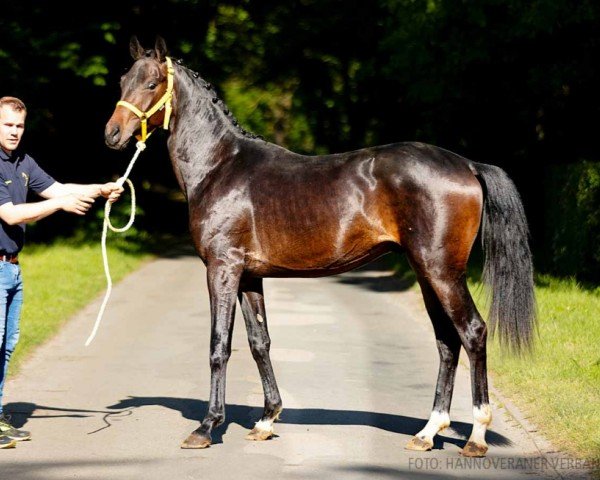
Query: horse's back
(393, 164)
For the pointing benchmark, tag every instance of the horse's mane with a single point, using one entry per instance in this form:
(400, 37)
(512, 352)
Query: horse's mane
(200, 83)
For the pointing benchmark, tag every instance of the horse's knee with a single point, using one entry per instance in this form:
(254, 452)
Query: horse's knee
(218, 360)
(260, 349)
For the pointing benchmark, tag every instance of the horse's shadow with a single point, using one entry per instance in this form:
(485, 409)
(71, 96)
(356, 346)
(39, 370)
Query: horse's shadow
(245, 416)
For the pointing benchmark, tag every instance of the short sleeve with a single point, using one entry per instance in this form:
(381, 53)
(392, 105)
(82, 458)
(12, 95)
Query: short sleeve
(39, 180)
(5, 196)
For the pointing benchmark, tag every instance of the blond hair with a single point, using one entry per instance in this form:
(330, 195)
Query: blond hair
(13, 102)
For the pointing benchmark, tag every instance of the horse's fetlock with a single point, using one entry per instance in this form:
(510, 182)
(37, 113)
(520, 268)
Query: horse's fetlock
(274, 410)
(215, 418)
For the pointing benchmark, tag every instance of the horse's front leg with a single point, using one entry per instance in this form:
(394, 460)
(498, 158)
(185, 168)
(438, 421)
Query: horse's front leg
(223, 283)
(253, 307)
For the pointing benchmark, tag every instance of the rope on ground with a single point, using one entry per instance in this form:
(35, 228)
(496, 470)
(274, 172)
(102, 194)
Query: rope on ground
(107, 224)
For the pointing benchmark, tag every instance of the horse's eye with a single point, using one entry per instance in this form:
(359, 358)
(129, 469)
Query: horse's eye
(152, 85)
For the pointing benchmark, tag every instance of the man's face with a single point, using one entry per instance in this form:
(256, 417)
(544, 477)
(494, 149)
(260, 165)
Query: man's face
(12, 126)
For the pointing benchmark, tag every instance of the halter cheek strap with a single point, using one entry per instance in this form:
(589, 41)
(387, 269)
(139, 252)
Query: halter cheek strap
(164, 102)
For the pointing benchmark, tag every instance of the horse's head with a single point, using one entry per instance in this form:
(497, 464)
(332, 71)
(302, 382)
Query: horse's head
(143, 88)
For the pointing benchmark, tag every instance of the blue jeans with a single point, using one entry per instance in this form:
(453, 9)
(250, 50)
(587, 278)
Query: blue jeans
(11, 300)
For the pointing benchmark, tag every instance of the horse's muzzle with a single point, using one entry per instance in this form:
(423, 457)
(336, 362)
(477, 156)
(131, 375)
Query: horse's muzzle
(112, 135)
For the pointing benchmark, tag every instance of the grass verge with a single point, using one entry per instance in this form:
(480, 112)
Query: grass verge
(59, 279)
(558, 385)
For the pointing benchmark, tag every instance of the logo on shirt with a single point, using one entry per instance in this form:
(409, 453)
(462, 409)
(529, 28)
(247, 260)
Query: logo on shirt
(26, 177)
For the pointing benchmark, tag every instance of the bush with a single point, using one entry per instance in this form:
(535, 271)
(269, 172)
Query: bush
(573, 220)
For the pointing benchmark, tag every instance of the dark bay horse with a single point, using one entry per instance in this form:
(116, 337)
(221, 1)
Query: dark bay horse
(257, 210)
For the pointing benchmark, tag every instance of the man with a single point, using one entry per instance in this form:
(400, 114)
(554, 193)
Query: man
(19, 173)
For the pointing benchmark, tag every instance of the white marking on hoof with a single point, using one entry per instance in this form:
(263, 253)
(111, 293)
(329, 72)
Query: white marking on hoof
(264, 426)
(438, 421)
(482, 418)
(259, 318)
(263, 430)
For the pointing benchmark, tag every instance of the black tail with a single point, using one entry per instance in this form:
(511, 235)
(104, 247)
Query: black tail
(508, 267)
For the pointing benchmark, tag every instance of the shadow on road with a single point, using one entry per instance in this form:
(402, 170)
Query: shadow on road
(246, 416)
(243, 415)
(20, 412)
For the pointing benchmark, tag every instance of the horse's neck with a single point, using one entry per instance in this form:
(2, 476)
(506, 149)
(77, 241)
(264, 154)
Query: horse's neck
(201, 136)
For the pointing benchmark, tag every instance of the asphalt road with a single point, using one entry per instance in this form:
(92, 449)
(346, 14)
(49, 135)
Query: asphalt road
(355, 360)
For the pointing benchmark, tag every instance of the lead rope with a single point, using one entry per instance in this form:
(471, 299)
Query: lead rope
(140, 148)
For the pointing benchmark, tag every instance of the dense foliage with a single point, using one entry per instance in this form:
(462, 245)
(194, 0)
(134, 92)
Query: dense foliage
(510, 82)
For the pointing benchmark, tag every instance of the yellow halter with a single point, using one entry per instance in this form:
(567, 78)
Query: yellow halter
(164, 102)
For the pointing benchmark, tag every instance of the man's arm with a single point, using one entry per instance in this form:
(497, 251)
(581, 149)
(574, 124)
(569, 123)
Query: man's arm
(109, 190)
(58, 189)
(30, 212)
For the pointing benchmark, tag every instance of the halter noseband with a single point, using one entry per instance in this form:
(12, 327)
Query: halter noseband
(164, 102)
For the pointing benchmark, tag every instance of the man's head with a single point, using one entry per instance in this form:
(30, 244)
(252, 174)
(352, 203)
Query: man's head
(12, 123)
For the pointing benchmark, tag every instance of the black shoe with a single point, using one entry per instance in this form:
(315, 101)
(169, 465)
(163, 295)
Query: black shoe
(6, 442)
(7, 430)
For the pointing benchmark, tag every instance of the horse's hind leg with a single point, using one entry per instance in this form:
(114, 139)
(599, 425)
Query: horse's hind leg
(450, 288)
(253, 307)
(448, 343)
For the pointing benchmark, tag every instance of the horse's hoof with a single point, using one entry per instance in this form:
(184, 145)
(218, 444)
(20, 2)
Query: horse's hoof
(196, 440)
(263, 430)
(472, 449)
(259, 435)
(419, 444)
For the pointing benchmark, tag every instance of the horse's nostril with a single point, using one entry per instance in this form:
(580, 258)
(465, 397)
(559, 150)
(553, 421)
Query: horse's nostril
(112, 136)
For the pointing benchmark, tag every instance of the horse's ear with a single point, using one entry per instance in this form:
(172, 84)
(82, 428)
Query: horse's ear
(161, 49)
(135, 48)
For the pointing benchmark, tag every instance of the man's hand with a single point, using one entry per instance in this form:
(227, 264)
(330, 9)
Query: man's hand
(111, 191)
(76, 203)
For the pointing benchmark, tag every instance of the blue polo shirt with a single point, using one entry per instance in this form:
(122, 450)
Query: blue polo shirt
(18, 173)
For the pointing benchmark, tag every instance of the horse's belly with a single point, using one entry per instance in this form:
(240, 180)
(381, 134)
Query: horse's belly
(317, 258)
(325, 240)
